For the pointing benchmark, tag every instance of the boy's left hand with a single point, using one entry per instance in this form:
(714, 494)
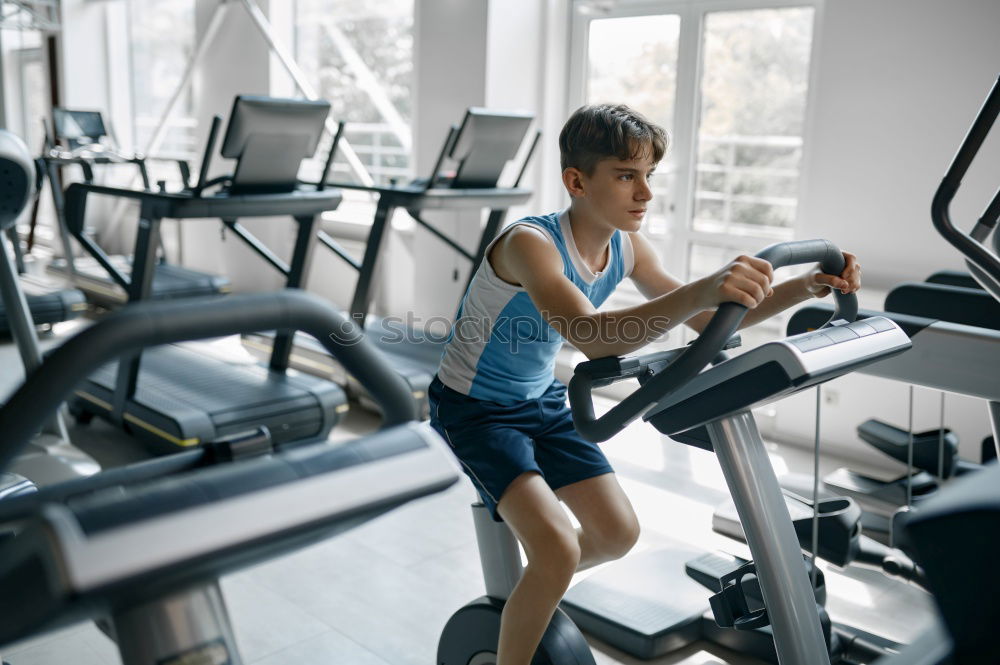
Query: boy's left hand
(819, 283)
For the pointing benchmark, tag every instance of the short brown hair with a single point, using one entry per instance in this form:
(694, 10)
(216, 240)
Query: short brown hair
(601, 131)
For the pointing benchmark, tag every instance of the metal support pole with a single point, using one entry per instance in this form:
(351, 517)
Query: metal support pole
(440, 236)
(191, 626)
(490, 231)
(59, 205)
(257, 246)
(302, 254)
(499, 553)
(15, 243)
(139, 288)
(909, 454)
(362, 292)
(995, 424)
(337, 249)
(788, 597)
(22, 329)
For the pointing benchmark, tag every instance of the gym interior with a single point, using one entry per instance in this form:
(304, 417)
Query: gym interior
(236, 235)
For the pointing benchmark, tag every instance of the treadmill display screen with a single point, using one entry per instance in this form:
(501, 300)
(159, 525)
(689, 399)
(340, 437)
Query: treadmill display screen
(76, 125)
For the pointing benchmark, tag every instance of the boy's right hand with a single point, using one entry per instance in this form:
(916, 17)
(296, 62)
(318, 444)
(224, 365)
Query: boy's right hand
(745, 280)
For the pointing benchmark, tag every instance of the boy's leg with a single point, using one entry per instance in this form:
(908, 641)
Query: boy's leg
(608, 525)
(532, 511)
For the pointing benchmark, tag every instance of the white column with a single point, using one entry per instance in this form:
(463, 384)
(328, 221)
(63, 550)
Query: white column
(506, 54)
(236, 62)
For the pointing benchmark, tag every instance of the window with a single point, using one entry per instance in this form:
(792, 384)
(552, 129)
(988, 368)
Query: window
(162, 40)
(359, 57)
(755, 74)
(25, 77)
(730, 84)
(635, 59)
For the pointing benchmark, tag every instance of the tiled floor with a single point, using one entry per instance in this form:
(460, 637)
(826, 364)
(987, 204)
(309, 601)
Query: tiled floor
(379, 595)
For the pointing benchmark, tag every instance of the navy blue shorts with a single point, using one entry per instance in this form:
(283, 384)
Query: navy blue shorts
(496, 443)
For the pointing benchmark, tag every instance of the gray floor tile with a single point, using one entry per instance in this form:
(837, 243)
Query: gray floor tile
(64, 647)
(70, 632)
(265, 622)
(329, 647)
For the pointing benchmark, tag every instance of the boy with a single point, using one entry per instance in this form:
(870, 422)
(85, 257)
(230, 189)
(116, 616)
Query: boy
(495, 399)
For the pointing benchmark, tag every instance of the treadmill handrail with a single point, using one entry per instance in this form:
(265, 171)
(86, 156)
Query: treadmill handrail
(686, 365)
(165, 204)
(131, 329)
(980, 256)
(77, 193)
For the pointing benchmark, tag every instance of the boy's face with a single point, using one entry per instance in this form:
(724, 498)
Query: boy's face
(616, 192)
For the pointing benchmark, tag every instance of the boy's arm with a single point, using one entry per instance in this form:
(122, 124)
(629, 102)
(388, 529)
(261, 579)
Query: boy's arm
(653, 281)
(526, 257)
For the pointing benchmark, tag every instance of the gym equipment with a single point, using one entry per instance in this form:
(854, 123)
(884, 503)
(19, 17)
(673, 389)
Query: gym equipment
(982, 261)
(953, 278)
(954, 535)
(709, 409)
(172, 396)
(49, 456)
(11, 485)
(952, 296)
(146, 554)
(720, 398)
(49, 303)
(958, 304)
(947, 356)
(934, 452)
(83, 133)
(840, 539)
(482, 146)
(952, 354)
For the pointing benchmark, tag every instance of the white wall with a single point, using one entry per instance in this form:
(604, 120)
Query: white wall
(449, 76)
(899, 83)
(83, 66)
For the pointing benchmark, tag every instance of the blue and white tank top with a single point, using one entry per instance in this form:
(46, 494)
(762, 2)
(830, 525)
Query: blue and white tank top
(500, 348)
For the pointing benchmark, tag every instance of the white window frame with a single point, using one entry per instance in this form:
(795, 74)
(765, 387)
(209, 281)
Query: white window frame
(675, 244)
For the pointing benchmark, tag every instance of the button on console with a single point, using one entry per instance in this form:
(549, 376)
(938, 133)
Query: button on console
(812, 342)
(862, 328)
(840, 333)
(880, 323)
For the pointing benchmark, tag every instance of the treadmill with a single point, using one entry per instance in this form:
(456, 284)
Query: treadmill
(173, 397)
(83, 135)
(480, 148)
(143, 546)
(48, 305)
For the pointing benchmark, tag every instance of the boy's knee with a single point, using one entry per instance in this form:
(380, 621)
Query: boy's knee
(619, 538)
(627, 537)
(559, 554)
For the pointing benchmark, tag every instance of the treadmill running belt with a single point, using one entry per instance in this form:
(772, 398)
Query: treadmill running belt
(208, 398)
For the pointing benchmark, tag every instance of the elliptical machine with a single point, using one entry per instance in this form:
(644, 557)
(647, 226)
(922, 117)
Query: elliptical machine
(708, 409)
